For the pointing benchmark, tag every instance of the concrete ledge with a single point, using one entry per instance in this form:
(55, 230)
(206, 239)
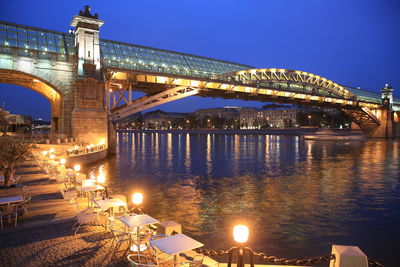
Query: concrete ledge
(86, 158)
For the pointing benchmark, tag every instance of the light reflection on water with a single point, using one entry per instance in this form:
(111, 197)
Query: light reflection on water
(298, 197)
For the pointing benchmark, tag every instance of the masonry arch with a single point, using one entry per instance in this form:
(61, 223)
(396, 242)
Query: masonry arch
(41, 86)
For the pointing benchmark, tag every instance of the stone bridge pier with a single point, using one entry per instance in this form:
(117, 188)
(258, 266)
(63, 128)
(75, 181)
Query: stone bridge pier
(388, 120)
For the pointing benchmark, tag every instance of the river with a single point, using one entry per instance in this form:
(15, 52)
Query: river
(298, 197)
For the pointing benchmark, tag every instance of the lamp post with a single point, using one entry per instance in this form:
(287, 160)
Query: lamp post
(137, 199)
(240, 235)
(101, 179)
(77, 167)
(309, 120)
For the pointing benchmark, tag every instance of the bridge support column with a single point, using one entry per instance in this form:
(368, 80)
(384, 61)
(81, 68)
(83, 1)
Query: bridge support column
(112, 138)
(396, 124)
(89, 117)
(384, 130)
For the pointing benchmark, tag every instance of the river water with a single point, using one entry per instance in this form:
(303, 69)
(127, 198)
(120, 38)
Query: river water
(298, 197)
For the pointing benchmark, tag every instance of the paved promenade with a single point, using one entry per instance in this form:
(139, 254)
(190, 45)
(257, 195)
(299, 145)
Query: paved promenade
(47, 204)
(45, 238)
(55, 245)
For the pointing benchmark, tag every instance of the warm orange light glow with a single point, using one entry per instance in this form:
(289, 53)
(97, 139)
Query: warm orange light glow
(51, 150)
(62, 161)
(137, 198)
(52, 156)
(240, 233)
(101, 178)
(77, 167)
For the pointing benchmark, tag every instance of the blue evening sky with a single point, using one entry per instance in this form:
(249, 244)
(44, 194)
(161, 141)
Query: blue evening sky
(350, 42)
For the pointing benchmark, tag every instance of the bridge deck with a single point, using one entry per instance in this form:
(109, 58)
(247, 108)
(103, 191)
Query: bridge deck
(26, 41)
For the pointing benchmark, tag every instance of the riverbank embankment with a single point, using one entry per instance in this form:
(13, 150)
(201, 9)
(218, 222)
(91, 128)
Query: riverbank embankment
(292, 131)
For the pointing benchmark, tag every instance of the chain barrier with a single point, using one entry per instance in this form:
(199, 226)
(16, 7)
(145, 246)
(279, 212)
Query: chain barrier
(273, 259)
(373, 263)
(284, 261)
(209, 252)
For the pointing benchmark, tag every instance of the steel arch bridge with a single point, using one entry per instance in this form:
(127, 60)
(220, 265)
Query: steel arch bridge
(89, 81)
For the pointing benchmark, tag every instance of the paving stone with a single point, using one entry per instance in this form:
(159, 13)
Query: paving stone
(57, 246)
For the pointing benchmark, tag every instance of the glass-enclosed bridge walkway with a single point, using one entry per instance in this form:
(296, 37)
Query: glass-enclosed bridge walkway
(206, 75)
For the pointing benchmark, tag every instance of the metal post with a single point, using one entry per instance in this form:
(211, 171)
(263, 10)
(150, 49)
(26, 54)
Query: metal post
(108, 97)
(130, 93)
(114, 103)
(240, 262)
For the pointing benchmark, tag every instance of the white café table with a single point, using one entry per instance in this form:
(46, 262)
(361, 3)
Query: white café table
(137, 221)
(105, 204)
(173, 245)
(11, 200)
(90, 189)
(109, 204)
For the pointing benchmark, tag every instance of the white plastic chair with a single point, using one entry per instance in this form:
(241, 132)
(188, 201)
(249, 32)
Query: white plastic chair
(85, 217)
(159, 255)
(23, 206)
(119, 237)
(8, 212)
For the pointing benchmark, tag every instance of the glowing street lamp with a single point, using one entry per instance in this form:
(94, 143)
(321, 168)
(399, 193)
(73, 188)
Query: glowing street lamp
(77, 167)
(240, 235)
(137, 199)
(101, 178)
(62, 161)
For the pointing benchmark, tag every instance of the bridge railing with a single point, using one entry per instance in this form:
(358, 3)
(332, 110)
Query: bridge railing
(23, 52)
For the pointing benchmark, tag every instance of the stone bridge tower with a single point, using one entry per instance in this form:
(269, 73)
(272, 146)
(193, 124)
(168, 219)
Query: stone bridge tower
(89, 120)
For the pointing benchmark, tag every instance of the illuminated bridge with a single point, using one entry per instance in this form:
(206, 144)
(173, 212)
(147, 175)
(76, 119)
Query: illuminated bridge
(89, 81)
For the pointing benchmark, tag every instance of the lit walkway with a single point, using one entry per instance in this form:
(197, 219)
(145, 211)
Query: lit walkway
(47, 204)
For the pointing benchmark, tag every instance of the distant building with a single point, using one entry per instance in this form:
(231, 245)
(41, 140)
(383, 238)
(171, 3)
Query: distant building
(228, 112)
(282, 117)
(231, 117)
(162, 120)
(19, 119)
